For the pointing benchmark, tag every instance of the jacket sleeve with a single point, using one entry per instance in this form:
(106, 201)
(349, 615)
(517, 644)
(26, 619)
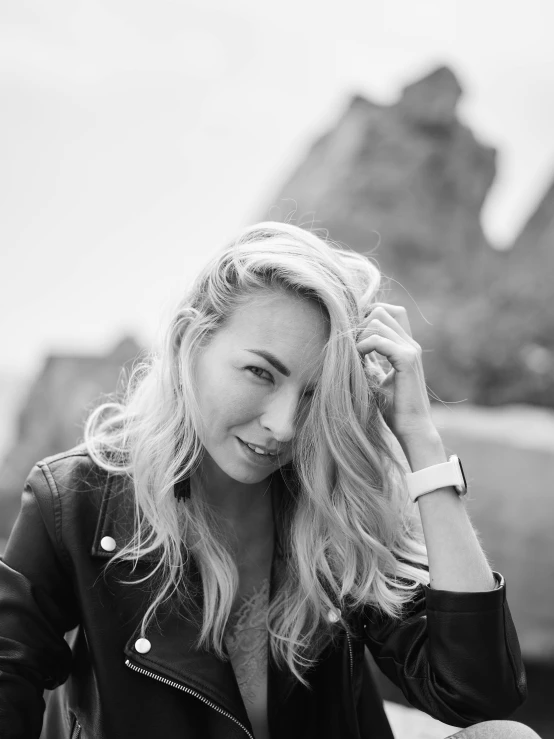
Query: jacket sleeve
(37, 608)
(454, 655)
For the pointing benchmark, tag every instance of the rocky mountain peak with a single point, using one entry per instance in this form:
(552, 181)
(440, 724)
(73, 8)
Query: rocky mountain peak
(433, 99)
(407, 182)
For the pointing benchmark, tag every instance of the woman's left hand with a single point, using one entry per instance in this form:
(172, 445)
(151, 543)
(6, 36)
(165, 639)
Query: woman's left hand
(408, 412)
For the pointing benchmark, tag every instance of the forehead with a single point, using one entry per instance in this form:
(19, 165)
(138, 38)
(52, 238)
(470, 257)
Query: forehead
(290, 326)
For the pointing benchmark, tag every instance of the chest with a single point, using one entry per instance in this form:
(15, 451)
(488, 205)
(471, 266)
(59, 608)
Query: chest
(246, 640)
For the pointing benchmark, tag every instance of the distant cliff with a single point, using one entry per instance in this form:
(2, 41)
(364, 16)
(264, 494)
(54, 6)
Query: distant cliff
(522, 308)
(52, 415)
(407, 182)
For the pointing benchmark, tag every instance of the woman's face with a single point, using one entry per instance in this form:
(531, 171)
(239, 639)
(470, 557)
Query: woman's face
(245, 397)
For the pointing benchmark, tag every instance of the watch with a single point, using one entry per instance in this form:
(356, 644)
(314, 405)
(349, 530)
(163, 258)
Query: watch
(444, 475)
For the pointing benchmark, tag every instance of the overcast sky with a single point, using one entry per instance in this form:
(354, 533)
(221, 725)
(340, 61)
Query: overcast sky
(136, 136)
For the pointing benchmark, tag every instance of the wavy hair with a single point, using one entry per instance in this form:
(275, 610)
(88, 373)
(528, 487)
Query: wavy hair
(349, 536)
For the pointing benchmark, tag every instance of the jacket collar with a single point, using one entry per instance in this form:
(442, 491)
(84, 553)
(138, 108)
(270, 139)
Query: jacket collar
(117, 512)
(172, 654)
(114, 527)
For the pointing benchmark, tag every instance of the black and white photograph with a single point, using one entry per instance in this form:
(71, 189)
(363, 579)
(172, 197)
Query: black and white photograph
(276, 369)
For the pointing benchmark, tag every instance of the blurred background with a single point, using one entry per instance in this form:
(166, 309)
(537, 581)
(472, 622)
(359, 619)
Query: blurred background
(136, 137)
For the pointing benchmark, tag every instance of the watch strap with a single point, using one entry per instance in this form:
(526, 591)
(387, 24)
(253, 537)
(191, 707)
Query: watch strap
(443, 475)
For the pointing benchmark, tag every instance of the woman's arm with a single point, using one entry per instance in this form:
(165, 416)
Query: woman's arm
(37, 607)
(454, 655)
(456, 560)
(455, 652)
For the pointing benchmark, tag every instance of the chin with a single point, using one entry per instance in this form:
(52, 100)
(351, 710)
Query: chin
(236, 471)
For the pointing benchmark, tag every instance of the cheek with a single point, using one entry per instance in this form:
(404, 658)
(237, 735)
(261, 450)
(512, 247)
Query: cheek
(227, 405)
(240, 404)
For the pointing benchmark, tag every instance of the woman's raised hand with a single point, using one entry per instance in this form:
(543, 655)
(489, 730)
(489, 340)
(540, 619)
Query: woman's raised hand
(387, 331)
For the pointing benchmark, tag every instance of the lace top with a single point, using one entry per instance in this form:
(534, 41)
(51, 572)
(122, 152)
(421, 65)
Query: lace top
(246, 642)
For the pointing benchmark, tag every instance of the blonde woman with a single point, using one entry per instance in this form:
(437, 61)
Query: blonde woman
(238, 528)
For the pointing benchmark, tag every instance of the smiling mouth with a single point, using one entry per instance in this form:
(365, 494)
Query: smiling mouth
(259, 450)
(261, 454)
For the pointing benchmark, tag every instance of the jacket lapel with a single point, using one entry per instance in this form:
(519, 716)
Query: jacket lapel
(173, 634)
(116, 519)
(173, 655)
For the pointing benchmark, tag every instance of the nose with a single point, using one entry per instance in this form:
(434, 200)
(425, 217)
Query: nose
(280, 416)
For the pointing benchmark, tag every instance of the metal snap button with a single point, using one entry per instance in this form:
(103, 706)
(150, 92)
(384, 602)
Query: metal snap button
(333, 616)
(108, 543)
(142, 646)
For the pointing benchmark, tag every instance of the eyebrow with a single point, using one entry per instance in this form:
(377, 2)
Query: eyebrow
(272, 359)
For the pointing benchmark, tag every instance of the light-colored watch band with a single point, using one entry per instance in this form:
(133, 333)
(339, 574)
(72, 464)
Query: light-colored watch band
(444, 475)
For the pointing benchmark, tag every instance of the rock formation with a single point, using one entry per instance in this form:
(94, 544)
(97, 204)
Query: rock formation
(406, 183)
(522, 299)
(51, 419)
(410, 172)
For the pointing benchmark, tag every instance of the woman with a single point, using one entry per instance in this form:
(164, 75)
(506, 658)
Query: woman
(235, 532)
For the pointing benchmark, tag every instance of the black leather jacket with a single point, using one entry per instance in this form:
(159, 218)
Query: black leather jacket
(454, 655)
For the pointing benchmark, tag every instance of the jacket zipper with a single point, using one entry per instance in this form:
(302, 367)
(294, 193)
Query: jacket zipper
(201, 697)
(351, 658)
(76, 733)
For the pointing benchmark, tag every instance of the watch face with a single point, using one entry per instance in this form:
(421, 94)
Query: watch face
(461, 488)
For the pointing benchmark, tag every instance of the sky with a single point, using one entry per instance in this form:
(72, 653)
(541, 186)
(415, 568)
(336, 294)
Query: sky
(136, 137)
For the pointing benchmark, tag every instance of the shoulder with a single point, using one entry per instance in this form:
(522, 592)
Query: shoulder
(74, 495)
(73, 461)
(66, 475)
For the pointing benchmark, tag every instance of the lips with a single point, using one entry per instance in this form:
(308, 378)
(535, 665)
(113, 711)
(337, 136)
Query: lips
(263, 459)
(259, 446)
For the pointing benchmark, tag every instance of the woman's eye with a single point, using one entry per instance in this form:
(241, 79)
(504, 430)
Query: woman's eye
(255, 370)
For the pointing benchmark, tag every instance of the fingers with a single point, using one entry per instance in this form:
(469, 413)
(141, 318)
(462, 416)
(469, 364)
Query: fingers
(380, 321)
(379, 328)
(395, 316)
(400, 353)
(387, 331)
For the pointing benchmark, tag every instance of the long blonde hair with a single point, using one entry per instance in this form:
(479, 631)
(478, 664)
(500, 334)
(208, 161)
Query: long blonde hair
(349, 535)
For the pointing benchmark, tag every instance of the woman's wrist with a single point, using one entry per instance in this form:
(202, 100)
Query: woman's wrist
(425, 450)
(456, 560)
